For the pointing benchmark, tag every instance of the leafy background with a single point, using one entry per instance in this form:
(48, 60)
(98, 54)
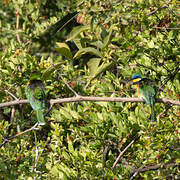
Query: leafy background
(96, 46)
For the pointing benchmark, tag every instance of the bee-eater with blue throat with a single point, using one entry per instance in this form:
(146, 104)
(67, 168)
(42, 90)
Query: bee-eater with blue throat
(147, 91)
(35, 93)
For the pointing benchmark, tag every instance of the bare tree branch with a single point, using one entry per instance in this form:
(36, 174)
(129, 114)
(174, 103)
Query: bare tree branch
(12, 103)
(109, 99)
(87, 98)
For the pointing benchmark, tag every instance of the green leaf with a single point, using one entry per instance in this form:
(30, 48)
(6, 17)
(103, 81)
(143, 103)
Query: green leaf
(87, 50)
(64, 49)
(151, 44)
(74, 114)
(107, 39)
(76, 31)
(66, 113)
(104, 104)
(103, 67)
(77, 42)
(50, 70)
(98, 44)
(70, 145)
(93, 65)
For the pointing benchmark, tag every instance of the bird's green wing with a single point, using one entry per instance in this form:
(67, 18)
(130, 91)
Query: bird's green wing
(148, 93)
(36, 97)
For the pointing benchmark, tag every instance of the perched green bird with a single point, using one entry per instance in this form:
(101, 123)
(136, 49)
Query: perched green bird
(35, 93)
(146, 90)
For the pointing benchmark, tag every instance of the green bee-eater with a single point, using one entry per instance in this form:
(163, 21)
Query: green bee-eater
(147, 91)
(35, 93)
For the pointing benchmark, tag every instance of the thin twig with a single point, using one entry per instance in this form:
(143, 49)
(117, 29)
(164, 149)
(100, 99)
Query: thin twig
(156, 27)
(87, 98)
(65, 24)
(122, 152)
(164, 6)
(69, 87)
(13, 111)
(36, 159)
(171, 77)
(18, 134)
(155, 59)
(11, 94)
(148, 168)
(17, 27)
(146, 67)
(47, 112)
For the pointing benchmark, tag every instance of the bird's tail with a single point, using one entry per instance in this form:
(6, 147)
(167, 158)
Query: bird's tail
(40, 117)
(153, 115)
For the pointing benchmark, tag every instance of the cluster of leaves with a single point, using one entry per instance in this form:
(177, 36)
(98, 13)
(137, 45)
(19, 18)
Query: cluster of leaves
(109, 42)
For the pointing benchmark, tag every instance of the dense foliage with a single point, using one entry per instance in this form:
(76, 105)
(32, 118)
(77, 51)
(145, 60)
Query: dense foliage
(95, 46)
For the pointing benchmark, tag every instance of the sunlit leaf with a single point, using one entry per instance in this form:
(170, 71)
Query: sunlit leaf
(64, 49)
(93, 65)
(103, 67)
(107, 39)
(87, 50)
(76, 31)
(151, 44)
(47, 74)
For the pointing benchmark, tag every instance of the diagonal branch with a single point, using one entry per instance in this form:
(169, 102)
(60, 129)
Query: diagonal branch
(74, 92)
(122, 152)
(164, 6)
(171, 76)
(11, 94)
(148, 168)
(18, 134)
